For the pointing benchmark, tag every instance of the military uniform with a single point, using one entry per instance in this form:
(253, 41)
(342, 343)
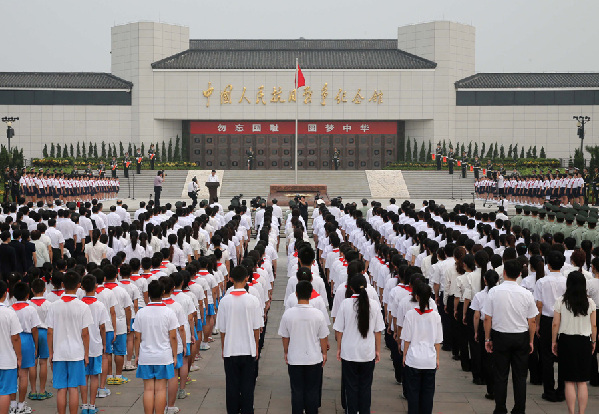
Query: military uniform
(7, 185)
(517, 219)
(476, 168)
(439, 156)
(591, 234)
(138, 160)
(126, 165)
(101, 170)
(450, 161)
(464, 165)
(152, 156)
(113, 167)
(364, 209)
(336, 156)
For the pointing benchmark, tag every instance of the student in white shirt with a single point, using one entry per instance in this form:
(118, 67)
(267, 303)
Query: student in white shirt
(304, 332)
(95, 251)
(358, 328)
(239, 321)
(10, 349)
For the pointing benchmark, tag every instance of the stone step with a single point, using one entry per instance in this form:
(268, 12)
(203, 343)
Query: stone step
(438, 184)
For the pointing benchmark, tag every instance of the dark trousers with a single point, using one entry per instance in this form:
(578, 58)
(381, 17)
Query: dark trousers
(548, 359)
(476, 172)
(357, 378)
(194, 197)
(240, 382)
(395, 355)
(475, 350)
(534, 363)
(462, 339)
(594, 379)
(445, 324)
(438, 163)
(450, 165)
(157, 191)
(453, 328)
(487, 362)
(510, 350)
(151, 163)
(306, 382)
(69, 244)
(126, 172)
(113, 172)
(139, 168)
(463, 171)
(420, 389)
(56, 255)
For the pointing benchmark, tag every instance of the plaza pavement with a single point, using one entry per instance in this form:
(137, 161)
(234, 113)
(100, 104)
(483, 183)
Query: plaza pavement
(455, 393)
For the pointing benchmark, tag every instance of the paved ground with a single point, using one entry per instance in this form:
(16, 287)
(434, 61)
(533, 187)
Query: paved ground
(455, 392)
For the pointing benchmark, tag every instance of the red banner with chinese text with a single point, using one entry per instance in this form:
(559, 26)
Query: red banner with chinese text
(288, 127)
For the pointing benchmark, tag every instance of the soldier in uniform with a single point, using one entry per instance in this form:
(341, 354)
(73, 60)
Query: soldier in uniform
(450, 156)
(538, 225)
(151, 155)
(439, 156)
(7, 184)
(476, 167)
(579, 231)
(15, 189)
(592, 234)
(517, 219)
(126, 165)
(464, 164)
(364, 208)
(596, 186)
(489, 169)
(101, 169)
(336, 156)
(560, 224)
(138, 160)
(250, 158)
(113, 166)
(549, 227)
(88, 171)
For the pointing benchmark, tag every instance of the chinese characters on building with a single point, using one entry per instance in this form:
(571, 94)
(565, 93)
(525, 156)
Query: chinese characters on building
(240, 95)
(287, 127)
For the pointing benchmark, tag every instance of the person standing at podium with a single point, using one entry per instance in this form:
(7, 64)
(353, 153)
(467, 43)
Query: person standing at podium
(158, 180)
(212, 178)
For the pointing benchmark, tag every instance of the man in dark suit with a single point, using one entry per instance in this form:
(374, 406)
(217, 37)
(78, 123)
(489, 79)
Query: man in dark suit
(20, 252)
(8, 257)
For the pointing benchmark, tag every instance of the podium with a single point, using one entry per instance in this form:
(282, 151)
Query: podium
(212, 186)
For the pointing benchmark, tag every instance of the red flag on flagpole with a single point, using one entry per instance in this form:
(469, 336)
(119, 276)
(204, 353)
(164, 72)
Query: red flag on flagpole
(299, 78)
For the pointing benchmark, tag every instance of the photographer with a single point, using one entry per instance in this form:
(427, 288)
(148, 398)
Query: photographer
(192, 191)
(302, 205)
(158, 180)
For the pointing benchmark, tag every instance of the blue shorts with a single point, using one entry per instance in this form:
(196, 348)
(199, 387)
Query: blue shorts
(131, 327)
(187, 349)
(94, 367)
(8, 381)
(42, 343)
(27, 350)
(210, 311)
(199, 324)
(155, 371)
(118, 347)
(179, 363)
(68, 374)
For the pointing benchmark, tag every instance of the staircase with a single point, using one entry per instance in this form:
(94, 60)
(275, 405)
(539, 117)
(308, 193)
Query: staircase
(438, 184)
(142, 185)
(346, 184)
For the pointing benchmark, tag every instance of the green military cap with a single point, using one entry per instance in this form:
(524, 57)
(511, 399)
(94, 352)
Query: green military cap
(576, 206)
(593, 214)
(594, 209)
(364, 201)
(205, 201)
(592, 220)
(584, 208)
(525, 208)
(534, 210)
(583, 213)
(560, 215)
(581, 218)
(551, 214)
(548, 205)
(518, 207)
(570, 217)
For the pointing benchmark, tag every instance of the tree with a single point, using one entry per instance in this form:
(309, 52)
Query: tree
(130, 150)
(90, 151)
(170, 149)
(578, 159)
(109, 154)
(542, 153)
(490, 152)
(83, 151)
(469, 154)
(114, 153)
(95, 150)
(78, 150)
(71, 150)
(52, 151)
(594, 161)
(482, 150)
(422, 153)
(45, 151)
(509, 151)
(58, 151)
(515, 153)
(409, 151)
(522, 152)
(444, 148)
(177, 154)
(501, 152)
(534, 151)
(528, 152)
(121, 149)
(65, 151)
(415, 155)
(462, 149)
(475, 149)
(103, 151)
(457, 150)
(164, 153)
(430, 151)
(157, 149)
(495, 152)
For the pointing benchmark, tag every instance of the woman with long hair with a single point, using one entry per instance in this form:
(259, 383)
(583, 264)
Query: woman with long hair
(176, 255)
(95, 251)
(574, 337)
(134, 250)
(358, 328)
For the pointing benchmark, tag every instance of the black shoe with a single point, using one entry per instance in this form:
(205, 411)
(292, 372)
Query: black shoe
(455, 357)
(446, 348)
(549, 397)
(489, 396)
(466, 369)
(479, 381)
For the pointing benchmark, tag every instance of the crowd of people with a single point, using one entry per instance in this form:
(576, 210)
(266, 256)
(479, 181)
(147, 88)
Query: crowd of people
(97, 294)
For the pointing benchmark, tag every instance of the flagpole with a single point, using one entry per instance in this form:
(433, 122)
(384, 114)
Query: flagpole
(296, 110)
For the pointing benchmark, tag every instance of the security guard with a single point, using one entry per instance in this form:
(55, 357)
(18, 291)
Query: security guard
(464, 164)
(439, 156)
(450, 160)
(113, 166)
(152, 156)
(126, 165)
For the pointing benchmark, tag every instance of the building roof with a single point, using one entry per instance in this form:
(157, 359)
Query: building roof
(529, 81)
(62, 80)
(292, 44)
(285, 59)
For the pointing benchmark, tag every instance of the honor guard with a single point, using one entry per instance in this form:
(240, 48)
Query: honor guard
(113, 167)
(489, 169)
(101, 169)
(476, 167)
(464, 164)
(439, 156)
(152, 156)
(126, 165)
(450, 156)
(7, 183)
(138, 160)
(88, 171)
(250, 158)
(336, 158)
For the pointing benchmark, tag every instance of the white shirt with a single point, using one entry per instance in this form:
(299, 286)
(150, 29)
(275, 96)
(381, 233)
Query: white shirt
(155, 322)
(56, 237)
(9, 326)
(510, 306)
(353, 346)
(239, 314)
(192, 187)
(95, 252)
(124, 301)
(574, 325)
(305, 326)
(68, 319)
(548, 289)
(423, 331)
(212, 178)
(27, 315)
(100, 317)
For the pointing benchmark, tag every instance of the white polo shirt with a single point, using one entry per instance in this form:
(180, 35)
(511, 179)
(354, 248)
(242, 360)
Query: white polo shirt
(239, 314)
(423, 330)
(27, 315)
(353, 346)
(316, 301)
(510, 306)
(305, 326)
(123, 301)
(181, 319)
(154, 323)
(9, 326)
(548, 289)
(68, 316)
(189, 308)
(100, 317)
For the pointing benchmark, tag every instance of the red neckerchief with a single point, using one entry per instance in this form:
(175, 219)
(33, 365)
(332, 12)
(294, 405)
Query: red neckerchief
(126, 282)
(314, 294)
(110, 285)
(164, 262)
(68, 298)
(38, 301)
(153, 272)
(146, 275)
(99, 289)
(295, 254)
(168, 301)
(354, 296)
(256, 276)
(135, 277)
(335, 250)
(191, 282)
(408, 288)
(58, 292)
(156, 304)
(176, 292)
(344, 264)
(89, 299)
(420, 312)
(19, 305)
(219, 264)
(203, 272)
(253, 282)
(238, 292)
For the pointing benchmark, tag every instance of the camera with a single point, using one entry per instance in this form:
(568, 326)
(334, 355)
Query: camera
(255, 202)
(235, 201)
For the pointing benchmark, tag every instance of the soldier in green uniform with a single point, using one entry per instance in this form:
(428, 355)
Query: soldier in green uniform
(364, 208)
(549, 226)
(560, 222)
(569, 225)
(579, 231)
(525, 221)
(534, 219)
(539, 223)
(517, 219)
(592, 234)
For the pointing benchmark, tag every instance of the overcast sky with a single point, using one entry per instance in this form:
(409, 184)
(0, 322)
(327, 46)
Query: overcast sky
(511, 35)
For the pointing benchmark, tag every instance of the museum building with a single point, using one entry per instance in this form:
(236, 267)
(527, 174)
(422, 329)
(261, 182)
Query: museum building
(364, 97)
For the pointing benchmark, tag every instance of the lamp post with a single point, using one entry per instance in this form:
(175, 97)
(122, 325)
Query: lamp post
(10, 132)
(582, 121)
